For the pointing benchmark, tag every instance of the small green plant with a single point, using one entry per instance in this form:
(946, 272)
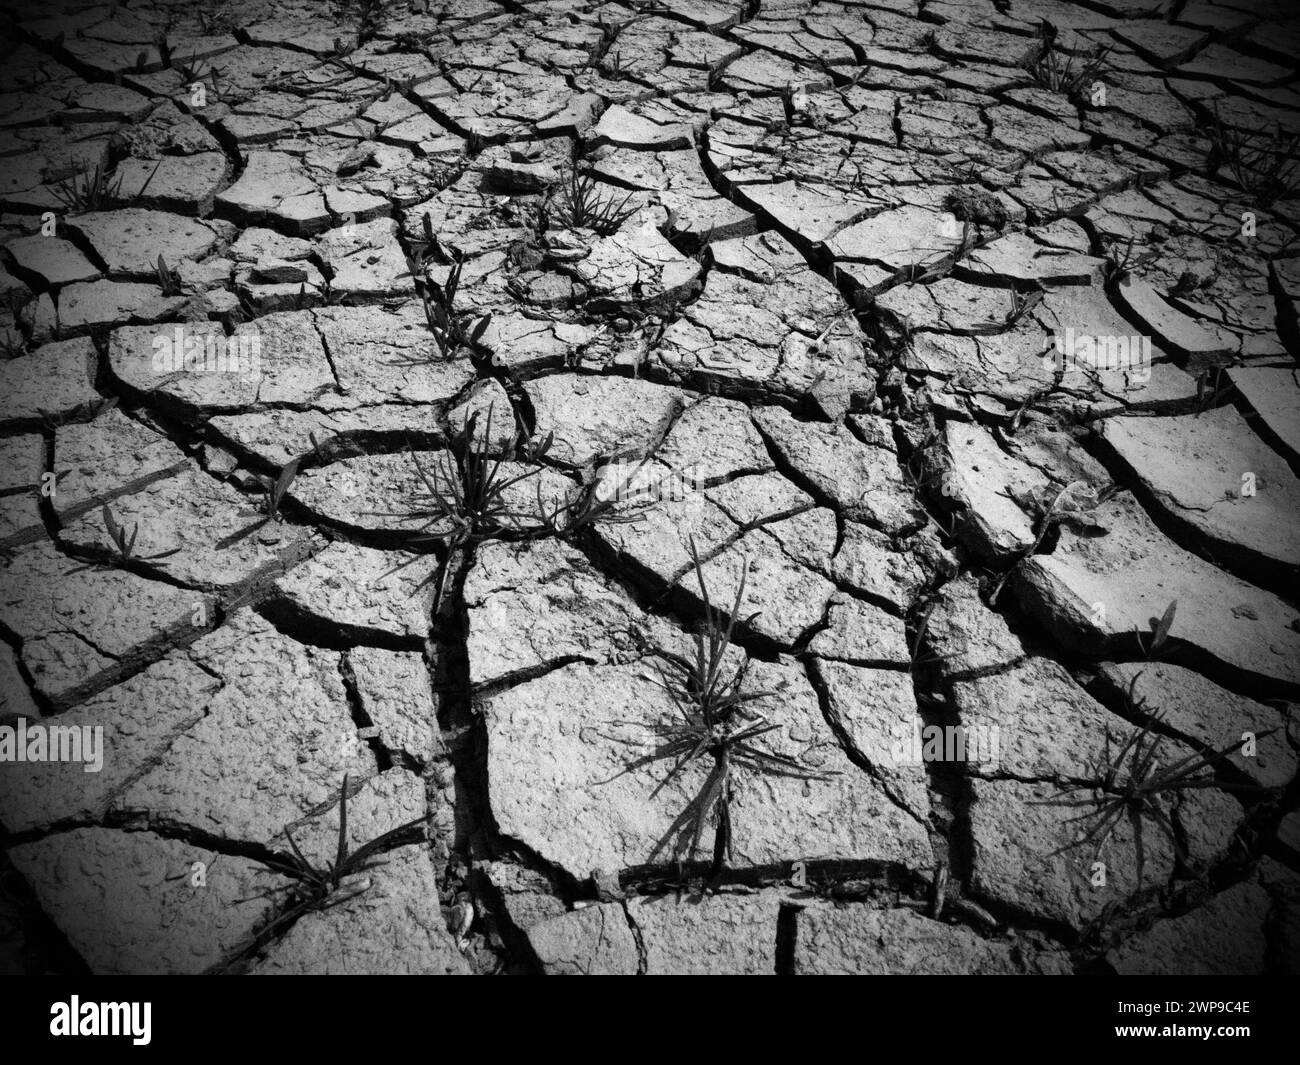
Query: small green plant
(429, 249)
(464, 498)
(197, 71)
(273, 493)
(1120, 264)
(1018, 305)
(193, 69)
(593, 502)
(614, 66)
(1159, 632)
(320, 887)
(1021, 303)
(368, 16)
(214, 19)
(439, 301)
(1266, 165)
(1049, 70)
(1132, 785)
(581, 203)
(88, 190)
(716, 721)
(123, 542)
(117, 533)
(92, 190)
(168, 279)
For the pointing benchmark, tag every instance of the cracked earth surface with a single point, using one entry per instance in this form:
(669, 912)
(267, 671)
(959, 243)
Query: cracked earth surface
(851, 232)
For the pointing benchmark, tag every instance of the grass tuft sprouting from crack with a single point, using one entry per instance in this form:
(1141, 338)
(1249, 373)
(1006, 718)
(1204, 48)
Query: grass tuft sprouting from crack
(123, 544)
(168, 279)
(88, 190)
(581, 204)
(1071, 504)
(594, 502)
(321, 887)
(1133, 786)
(439, 301)
(463, 497)
(1266, 165)
(1049, 70)
(716, 720)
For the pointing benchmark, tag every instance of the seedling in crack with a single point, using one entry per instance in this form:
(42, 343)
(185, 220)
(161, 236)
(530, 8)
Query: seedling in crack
(197, 71)
(615, 68)
(1121, 264)
(717, 721)
(370, 16)
(1058, 74)
(1265, 165)
(439, 302)
(463, 498)
(581, 203)
(88, 190)
(1133, 786)
(1211, 389)
(1021, 304)
(12, 343)
(273, 493)
(93, 190)
(214, 19)
(124, 542)
(593, 502)
(168, 279)
(320, 887)
(1159, 632)
(464, 495)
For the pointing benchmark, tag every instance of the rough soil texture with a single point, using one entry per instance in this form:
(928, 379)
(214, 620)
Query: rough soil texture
(963, 332)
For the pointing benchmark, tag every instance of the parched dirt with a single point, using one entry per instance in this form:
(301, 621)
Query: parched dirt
(934, 361)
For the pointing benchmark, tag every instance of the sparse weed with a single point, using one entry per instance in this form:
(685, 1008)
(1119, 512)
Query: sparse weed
(439, 301)
(12, 343)
(92, 190)
(214, 19)
(273, 493)
(581, 203)
(320, 887)
(88, 190)
(1159, 632)
(1021, 304)
(464, 494)
(717, 721)
(1132, 785)
(1265, 165)
(1211, 389)
(197, 71)
(614, 66)
(1049, 70)
(123, 542)
(168, 279)
(591, 503)
(368, 16)
(1120, 264)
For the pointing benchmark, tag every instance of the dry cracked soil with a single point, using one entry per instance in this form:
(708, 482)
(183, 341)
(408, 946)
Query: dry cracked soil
(397, 398)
